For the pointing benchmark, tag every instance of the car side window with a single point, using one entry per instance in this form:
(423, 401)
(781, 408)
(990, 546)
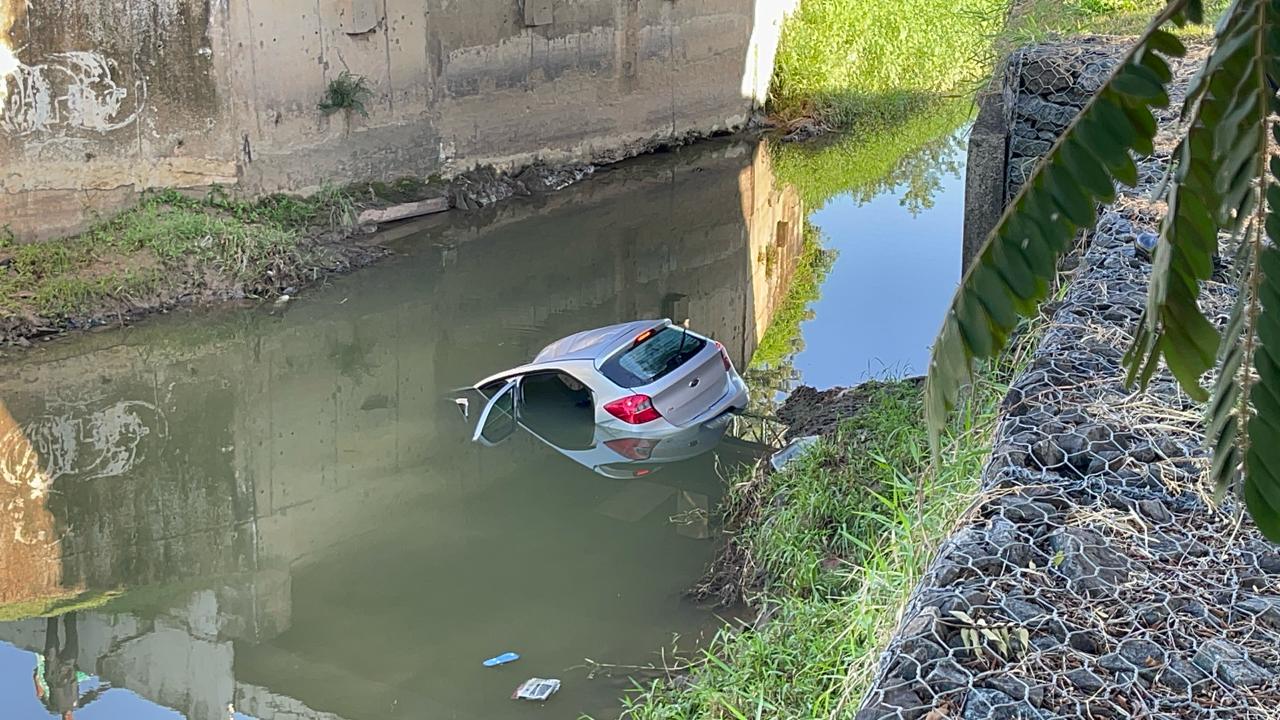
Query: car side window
(499, 418)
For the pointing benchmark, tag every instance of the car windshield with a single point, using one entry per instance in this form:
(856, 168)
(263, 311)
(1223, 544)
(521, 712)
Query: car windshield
(653, 357)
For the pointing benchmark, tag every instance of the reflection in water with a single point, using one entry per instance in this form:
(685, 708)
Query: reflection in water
(885, 220)
(896, 257)
(286, 503)
(888, 205)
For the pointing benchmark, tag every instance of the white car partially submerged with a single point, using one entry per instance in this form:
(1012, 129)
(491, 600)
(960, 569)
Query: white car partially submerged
(642, 380)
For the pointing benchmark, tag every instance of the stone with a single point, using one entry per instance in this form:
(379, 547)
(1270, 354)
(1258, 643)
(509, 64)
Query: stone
(1230, 663)
(1180, 675)
(896, 702)
(1048, 454)
(947, 676)
(1153, 614)
(991, 704)
(1016, 688)
(1141, 652)
(1089, 642)
(1117, 664)
(1265, 556)
(1023, 611)
(1029, 148)
(1071, 443)
(1026, 510)
(1265, 609)
(1084, 558)
(1155, 511)
(1085, 681)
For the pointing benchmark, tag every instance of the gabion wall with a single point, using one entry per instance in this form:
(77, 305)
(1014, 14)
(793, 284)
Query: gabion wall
(1092, 578)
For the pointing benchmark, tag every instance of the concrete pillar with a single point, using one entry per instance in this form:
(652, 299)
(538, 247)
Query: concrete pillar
(987, 174)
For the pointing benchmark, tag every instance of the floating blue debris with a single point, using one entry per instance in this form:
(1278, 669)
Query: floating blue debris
(502, 659)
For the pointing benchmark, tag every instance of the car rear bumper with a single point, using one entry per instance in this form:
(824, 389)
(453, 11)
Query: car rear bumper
(734, 399)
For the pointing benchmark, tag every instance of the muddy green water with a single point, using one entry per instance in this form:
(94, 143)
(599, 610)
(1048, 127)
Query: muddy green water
(276, 512)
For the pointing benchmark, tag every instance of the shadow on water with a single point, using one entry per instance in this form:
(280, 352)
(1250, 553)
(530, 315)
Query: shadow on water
(278, 508)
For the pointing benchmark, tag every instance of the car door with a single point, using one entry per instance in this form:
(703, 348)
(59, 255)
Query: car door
(498, 420)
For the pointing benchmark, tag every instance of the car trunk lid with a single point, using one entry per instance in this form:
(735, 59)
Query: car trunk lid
(691, 389)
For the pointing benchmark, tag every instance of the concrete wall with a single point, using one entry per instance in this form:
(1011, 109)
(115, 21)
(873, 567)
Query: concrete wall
(101, 99)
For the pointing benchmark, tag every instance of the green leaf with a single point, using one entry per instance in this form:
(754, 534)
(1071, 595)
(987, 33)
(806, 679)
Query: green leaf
(1075, 204)
(1087, 170)
(975, 330)
(1140, 84)
(994, 296)
(1167, 43)
(1263, 513)
(1018, 259)
(1145, 123)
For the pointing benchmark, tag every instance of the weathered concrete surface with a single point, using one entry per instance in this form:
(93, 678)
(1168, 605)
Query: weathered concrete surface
(1095, 576)
(101, 100)
(1034, 96)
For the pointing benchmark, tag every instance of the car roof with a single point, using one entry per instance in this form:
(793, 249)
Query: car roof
(592, 344)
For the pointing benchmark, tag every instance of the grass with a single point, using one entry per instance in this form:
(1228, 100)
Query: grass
(346, 92)
(869, 62)
(1040, 20)
(841, 538)
(168, 242)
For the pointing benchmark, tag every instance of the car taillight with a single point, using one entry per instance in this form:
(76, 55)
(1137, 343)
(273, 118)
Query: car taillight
(633, 409)
(724, 357)
(632, 448)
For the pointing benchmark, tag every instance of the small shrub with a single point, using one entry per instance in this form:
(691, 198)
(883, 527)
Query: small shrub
(346, 92)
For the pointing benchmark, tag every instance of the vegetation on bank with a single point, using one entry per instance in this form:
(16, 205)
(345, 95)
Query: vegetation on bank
(863, 64)
(865, 61)
(1039, 20)
(829, 549)
(167, 248)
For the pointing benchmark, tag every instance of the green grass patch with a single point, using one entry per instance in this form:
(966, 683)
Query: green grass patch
(867, 61)
(168, 242)
(841, 538)
(1041, 20)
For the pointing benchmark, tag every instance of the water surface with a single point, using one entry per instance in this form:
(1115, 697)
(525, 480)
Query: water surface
(276, 512)
(279, 508)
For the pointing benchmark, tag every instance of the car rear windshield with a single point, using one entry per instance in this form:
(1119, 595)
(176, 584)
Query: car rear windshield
(652, 357)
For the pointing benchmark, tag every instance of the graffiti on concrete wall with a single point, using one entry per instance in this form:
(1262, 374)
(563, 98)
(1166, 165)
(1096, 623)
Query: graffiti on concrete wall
(83, 445)
(78, 91)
